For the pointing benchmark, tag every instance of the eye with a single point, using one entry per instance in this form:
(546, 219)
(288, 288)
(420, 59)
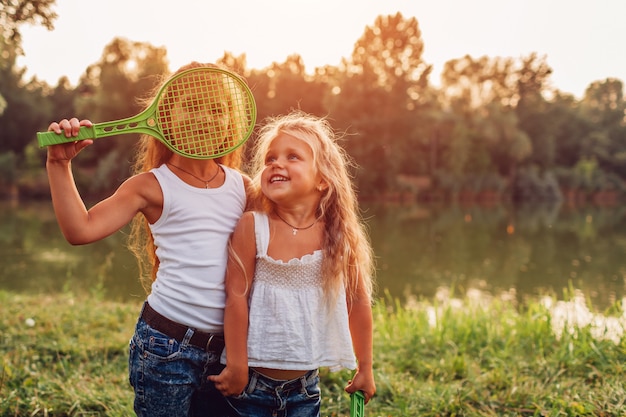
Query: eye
(218, 109)
(269, 159)
(191, 105)
(293, 156)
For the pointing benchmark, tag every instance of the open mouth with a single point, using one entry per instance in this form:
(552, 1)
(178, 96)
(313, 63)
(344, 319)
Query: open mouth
(277, 178)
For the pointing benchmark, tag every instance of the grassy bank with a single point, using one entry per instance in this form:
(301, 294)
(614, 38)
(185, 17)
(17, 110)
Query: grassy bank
(67, 356)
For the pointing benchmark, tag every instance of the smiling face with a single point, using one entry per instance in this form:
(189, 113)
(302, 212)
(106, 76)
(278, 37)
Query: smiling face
(196, 114)
(290, 174)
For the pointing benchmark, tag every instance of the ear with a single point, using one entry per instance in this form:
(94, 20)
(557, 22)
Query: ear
(322, 186)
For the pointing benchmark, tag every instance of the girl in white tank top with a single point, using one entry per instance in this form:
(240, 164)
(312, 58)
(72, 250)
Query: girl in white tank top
(189, 207)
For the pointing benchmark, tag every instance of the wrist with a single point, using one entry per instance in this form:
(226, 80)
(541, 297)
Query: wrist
(62, 163)
(365, 367)
(237, 367)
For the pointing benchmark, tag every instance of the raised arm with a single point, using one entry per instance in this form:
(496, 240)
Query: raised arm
(79, 225)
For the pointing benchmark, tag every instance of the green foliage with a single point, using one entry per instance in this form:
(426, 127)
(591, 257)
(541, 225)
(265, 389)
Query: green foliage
(473, 358)
(14, 13)
(533, 185)
(26, 110)
(492, 118)
(8, 168)
(111, 169)
(477, 356)
(62, 357)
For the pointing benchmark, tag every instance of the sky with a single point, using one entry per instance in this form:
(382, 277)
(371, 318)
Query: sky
(582, 41)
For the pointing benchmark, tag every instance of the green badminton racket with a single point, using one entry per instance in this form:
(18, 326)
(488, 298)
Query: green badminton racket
(357, 404)
(200, 113)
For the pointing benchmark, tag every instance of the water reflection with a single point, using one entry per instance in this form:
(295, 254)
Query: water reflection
(35, 258)
(532, 250)
(522, 252)
(566, 316)
(569, 316)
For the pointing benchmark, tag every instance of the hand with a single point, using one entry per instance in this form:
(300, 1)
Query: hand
(362, 382)
(67, 151)
(229, 382)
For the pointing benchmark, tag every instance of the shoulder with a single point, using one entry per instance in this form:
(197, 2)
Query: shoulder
(144, 186)
(246, 222)
(246, 225)
(142, 181)
(243, 238)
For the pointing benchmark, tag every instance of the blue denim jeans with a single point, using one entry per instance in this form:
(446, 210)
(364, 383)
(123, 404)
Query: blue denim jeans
(267, 397)
(170, 378)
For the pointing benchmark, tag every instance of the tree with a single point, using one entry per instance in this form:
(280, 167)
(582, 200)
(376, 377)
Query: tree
(239, 64)
(570, 128)
(481, 95)
(533, 109)
(111, 89)
(604, 107)
(285, 86)
(14, 13)
(383, 87)
(26, 109)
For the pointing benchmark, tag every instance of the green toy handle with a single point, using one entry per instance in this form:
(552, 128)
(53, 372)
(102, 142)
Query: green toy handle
(357, 404)
(137, 124)
(53, 138)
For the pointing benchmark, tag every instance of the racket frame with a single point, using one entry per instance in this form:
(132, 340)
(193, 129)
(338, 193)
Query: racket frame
(145, 122)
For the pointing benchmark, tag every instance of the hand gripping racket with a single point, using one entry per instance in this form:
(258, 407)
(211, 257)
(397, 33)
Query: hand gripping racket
(357, 404)
(199, 113)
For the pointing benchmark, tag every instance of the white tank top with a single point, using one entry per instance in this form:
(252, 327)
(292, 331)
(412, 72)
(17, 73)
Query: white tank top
(191, 237)
(292, 326)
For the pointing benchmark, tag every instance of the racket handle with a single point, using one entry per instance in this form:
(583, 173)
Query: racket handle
(53, 138)
(357, 404)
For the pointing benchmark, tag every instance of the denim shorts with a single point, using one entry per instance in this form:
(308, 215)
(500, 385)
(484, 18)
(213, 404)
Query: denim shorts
(170, 378)
(267, 397)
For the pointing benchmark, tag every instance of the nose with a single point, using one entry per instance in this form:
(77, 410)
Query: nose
(207, 120)
(203, 115)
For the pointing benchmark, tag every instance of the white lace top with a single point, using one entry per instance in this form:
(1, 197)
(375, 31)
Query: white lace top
(292, 326)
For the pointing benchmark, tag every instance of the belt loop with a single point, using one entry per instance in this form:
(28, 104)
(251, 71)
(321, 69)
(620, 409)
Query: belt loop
(252, 383)
(188, 336)
(307, 378)
(310, 376)
(304, 382)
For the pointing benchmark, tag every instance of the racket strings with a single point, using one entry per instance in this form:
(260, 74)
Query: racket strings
(206, 115)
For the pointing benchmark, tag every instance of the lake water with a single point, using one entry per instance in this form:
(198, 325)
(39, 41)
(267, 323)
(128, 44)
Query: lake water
(420, 250)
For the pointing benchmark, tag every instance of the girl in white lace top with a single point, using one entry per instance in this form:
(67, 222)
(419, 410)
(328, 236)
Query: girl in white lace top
(299, 277)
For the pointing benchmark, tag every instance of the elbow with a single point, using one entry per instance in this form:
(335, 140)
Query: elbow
(75, 239)
(76, 242)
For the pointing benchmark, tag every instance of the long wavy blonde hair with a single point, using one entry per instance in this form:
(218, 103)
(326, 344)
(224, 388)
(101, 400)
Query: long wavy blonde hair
(151, 153)
(348, 256)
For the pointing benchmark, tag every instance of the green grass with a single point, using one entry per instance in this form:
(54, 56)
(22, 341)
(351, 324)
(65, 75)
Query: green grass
(432, 359)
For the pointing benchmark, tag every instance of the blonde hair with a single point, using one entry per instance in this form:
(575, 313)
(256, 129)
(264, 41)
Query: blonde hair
(151, 153)
(348, 257)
